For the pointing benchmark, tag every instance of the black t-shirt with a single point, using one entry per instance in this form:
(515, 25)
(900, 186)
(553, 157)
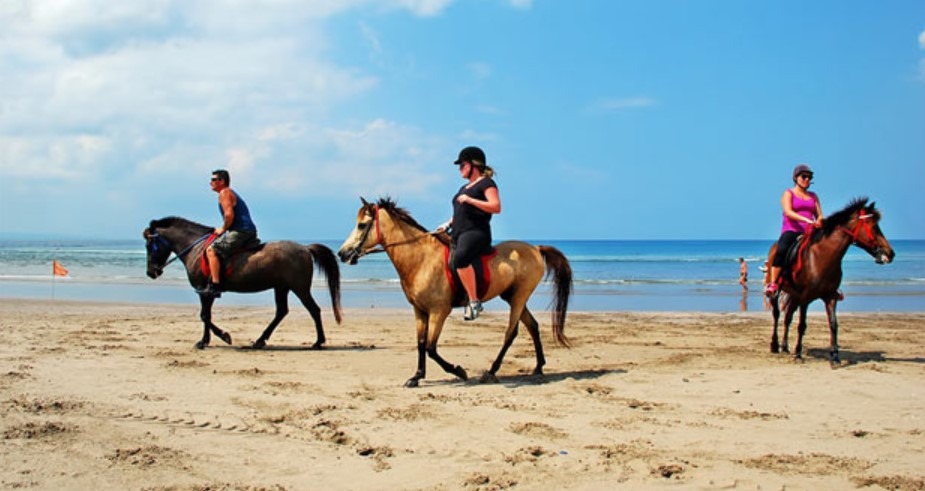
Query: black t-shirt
(467, 217)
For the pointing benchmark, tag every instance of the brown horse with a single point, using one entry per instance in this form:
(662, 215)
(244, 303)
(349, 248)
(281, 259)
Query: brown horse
(820, 273)
(418, 257)
(283, 266)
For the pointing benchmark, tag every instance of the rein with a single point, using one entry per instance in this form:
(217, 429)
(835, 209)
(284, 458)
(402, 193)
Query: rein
(184, 251)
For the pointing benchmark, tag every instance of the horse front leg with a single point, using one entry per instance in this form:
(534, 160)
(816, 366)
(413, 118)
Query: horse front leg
(205, 314)
(830, 305)
(420, 322)
(435, 323)
(801, 330)
(282, 308)
(789, 309)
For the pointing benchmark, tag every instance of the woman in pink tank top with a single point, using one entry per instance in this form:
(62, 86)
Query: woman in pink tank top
(802, 211)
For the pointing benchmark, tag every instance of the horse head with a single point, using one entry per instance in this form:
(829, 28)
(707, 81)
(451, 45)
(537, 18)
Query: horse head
(864, 229)
(361, 240)
(158, 250)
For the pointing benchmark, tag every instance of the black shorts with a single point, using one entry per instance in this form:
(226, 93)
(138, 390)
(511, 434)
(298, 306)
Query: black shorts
(783, 245)
(469, 246)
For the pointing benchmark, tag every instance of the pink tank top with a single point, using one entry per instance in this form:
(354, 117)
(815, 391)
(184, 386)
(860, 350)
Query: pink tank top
(803, 207)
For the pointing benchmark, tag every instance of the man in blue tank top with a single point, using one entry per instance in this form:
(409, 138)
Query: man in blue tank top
(236, 231)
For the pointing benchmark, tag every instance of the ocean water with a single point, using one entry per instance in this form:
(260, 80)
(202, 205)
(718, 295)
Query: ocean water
(681, 275)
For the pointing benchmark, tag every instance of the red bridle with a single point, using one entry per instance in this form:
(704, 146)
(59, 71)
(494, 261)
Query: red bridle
(862, 223)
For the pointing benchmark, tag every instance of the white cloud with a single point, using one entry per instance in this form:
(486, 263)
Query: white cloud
(131, 95)
(374, 158)
(922, 40)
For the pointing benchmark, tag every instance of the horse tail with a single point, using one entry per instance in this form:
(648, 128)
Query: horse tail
(559, 268)
(327, 263)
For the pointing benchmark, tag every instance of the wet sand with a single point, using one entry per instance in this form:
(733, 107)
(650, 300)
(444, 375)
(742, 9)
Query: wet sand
(114, 396)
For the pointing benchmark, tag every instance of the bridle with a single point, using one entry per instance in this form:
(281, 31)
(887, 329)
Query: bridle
(379, 245)
(863, 223)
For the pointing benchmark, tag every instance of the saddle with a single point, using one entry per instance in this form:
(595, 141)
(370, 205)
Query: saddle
(249, 248)
(482, 275)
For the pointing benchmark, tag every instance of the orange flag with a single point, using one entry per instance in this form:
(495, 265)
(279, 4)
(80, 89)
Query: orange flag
(58, 269)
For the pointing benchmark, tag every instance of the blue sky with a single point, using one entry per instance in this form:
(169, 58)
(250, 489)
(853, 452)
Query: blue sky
(604, 119)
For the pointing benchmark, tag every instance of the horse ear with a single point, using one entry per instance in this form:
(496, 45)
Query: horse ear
(872, 205)
(363, 200)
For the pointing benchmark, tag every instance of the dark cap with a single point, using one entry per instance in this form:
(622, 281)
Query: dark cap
(801, 169)
(470, 154)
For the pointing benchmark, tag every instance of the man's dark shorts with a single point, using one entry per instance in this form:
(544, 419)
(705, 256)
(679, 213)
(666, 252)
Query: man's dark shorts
(233, 240)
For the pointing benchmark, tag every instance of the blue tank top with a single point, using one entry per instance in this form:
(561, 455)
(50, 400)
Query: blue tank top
(242, 216)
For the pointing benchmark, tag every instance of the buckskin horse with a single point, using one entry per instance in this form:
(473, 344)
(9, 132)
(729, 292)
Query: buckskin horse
(818, 272)
(419, 258)
(283, 266)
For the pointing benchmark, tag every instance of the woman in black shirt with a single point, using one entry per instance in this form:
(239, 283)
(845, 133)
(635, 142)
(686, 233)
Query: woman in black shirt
(473, 206)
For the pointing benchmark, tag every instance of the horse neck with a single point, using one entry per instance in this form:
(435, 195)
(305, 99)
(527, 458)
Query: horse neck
(181, 237)
(829, 251)
(407, 247)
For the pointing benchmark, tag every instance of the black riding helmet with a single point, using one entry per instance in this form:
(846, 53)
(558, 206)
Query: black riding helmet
(474, 155)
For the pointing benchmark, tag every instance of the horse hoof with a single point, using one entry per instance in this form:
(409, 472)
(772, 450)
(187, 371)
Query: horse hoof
(488, 378)
(226, 338)
(259, 344)
(318, 346)
(201, 345)
(775, 349)
(411, 383)
(460, 372)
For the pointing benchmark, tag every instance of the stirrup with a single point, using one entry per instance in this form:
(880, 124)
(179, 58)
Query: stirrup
(472, 310)
(211, 290)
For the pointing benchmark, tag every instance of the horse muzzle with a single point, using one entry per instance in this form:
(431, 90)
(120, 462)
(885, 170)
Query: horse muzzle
(154, 272)
(349, 256)
(884, 257)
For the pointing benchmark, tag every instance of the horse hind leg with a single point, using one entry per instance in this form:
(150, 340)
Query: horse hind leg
(518, 306)
(315, 311)
(282, 308)
(789, 310)
(533, 327)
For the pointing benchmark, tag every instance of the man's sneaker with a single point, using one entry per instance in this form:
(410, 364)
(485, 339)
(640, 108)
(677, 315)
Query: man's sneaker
(473, 310)
(211, 290)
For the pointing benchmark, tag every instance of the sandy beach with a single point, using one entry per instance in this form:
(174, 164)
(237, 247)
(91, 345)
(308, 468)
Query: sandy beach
(114, 396)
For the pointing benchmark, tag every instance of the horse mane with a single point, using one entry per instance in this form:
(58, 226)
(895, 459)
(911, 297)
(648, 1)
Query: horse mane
(175, 221)
(393, 209)
(842, 217)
